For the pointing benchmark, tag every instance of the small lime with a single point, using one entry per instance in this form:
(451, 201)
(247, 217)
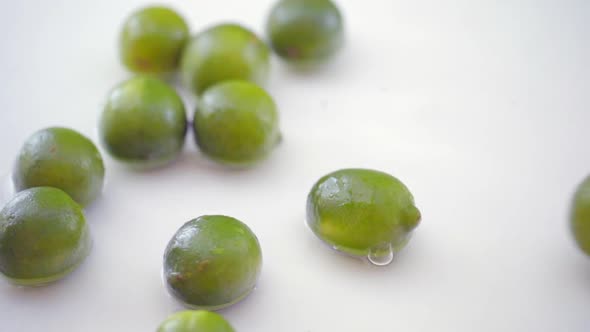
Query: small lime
(43, 236)
(61, 158)
(212, 262)
(195, 321)
(143, 123)
(224, 52)
(236, 122)
(152, 40)
(305, 32)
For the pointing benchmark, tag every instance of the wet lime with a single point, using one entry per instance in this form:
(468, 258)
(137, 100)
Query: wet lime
(362, 212)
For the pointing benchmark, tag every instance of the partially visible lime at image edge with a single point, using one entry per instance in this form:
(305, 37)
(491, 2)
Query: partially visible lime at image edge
(305, 33)
(580, 216)
(195, 321)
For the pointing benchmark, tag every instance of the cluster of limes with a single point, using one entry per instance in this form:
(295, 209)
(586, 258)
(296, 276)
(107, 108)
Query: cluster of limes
(212, 261)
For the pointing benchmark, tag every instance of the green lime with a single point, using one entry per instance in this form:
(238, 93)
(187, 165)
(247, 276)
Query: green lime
(305, 32)
(580, 216)
(152, 40)
(143, 123)
(224, 52)
(43, 236)
(195, 321)
(212, 262)
(60, 158)
(362, 212)
(236, 122)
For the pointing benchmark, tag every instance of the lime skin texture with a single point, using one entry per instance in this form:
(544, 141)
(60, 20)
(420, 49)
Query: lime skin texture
(212, 262)
(61, 158)
(221, 53)
(362, 212)
(43, 236)
(305, 32)
(236, 123)
(152, 39)
(143, 123)
(580, 216)
(195, 321)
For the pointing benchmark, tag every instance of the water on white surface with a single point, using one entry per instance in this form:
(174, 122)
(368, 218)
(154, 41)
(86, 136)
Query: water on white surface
(381, 256)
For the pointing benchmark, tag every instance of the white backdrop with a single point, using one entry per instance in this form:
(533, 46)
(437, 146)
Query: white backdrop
(480, 107)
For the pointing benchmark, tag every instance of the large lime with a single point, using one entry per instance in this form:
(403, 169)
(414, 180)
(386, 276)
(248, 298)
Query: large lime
(362, 212)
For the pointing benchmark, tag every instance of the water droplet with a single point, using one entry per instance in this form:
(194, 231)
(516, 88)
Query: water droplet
(381, 255)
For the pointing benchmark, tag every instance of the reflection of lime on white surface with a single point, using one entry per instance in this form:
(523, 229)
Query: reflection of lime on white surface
(6, 188)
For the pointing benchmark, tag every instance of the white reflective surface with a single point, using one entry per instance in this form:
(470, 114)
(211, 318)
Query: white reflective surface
(480, 107)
